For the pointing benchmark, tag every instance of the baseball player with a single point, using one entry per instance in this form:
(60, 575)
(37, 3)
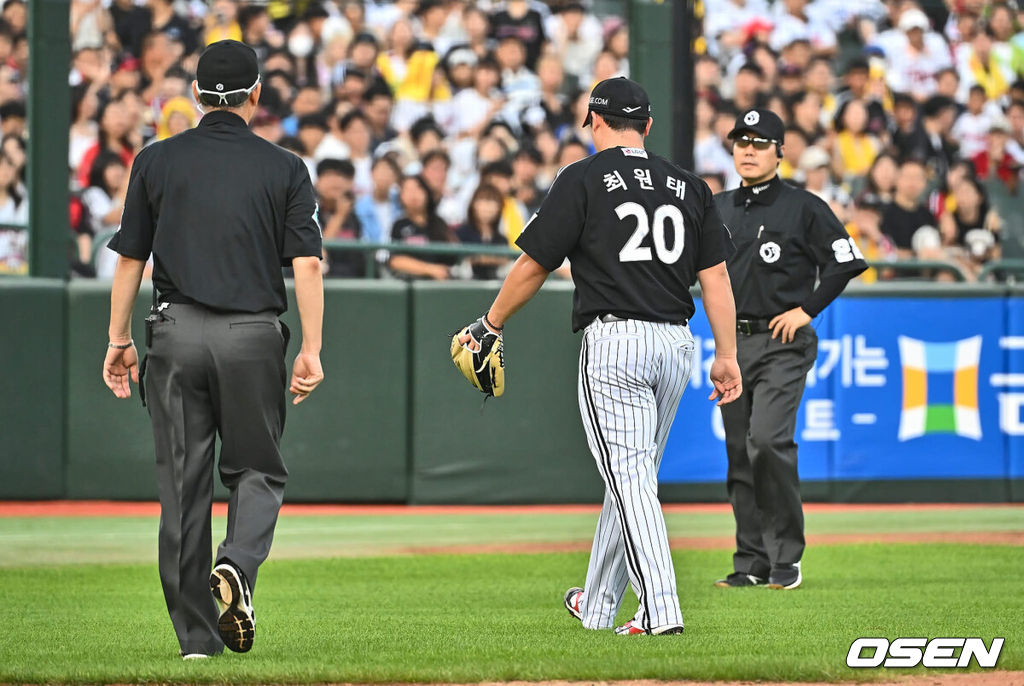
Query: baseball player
(638, 231)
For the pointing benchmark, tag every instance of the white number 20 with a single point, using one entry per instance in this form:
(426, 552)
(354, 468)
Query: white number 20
(632, 251)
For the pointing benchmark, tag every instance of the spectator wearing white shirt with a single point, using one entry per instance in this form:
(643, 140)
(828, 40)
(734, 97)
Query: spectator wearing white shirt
(576, 38)
(725, 22)
(971, 128)
(355, 133)
(475, 107)
(793, 21)
(520, 85)
(913, 60)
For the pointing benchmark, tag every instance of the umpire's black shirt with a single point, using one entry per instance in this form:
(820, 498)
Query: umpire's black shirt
(636, 229)
(784, 235)
(221, 210)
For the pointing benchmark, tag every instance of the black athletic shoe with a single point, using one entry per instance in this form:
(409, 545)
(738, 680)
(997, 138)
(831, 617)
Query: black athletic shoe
(237, 625)
(740, 580)
(786, 578)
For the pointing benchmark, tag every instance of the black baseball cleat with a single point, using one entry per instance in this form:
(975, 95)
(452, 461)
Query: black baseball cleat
(237, 624)
(786, 578)
(572, 602)
(740, 580)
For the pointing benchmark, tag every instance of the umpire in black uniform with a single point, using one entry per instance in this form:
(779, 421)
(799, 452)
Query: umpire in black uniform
(221, 211)
(786, 239)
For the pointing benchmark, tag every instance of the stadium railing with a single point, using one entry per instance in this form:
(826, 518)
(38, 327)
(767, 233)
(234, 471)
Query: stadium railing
(1003, 270)
(373, 263)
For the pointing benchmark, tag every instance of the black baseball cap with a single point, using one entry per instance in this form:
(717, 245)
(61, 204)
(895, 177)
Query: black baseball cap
(621, 97)
(761, 122)
(226, 67)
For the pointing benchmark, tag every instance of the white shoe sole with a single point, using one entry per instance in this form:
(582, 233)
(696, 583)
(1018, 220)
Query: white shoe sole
(236, 625)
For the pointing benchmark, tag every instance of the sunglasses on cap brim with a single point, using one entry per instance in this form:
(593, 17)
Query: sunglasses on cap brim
(223, 95)
(758, 143)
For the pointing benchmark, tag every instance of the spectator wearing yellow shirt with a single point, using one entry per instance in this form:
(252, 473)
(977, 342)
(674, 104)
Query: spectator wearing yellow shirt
(222, 22)
(412, 71)
(864, 228)
(856, 149)
(796, 143)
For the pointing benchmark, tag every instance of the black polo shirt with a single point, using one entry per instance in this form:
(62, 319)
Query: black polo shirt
(637, 230)
(221, 210)
(785, 238)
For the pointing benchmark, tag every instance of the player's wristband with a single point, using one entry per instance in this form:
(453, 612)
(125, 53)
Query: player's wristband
(488, 323)
(118, 346)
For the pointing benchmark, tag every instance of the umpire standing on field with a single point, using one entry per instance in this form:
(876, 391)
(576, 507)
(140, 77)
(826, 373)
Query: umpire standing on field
(221, 210)
(786, 239)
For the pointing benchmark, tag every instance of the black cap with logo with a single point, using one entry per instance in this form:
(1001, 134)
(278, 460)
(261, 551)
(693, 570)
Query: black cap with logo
(621, 97)
(227, 66)
(760, 122)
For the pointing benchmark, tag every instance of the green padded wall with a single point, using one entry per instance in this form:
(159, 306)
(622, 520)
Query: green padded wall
(110, 443)
(527, 446)
(346, 442)
(32, 405)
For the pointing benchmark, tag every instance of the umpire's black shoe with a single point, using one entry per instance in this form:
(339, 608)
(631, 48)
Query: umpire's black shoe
(237, 625)
(786, 578)
(740, 580)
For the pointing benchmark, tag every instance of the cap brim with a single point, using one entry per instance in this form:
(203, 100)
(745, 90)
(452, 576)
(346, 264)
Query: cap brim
(586, 122)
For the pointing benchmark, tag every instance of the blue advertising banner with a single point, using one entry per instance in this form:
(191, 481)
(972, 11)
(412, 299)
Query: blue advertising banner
(696, 447)
(903, 388)
(1009, 388)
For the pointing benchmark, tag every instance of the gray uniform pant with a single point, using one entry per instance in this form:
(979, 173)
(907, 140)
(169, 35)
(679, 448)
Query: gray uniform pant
(763, 483)
(211, 373)
(632, 376)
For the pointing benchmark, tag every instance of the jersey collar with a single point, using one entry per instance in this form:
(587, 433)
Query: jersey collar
(222, 117)
(763, 193)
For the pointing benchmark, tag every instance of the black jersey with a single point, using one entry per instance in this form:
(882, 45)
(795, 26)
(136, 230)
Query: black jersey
(221, 210)
(785, 238)
(636, 229)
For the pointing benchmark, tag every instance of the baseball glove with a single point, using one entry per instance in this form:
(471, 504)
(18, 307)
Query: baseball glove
(481, 359)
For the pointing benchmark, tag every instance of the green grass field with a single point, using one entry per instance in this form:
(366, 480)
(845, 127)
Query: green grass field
(80, 601)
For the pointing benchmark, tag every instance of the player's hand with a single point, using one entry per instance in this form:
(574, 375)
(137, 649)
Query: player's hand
(306, 376)
(784, 326)
(119, 365)
(725, 377)
(474, 346)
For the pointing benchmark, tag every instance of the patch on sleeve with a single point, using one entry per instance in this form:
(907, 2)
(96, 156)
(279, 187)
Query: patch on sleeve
(634, 152)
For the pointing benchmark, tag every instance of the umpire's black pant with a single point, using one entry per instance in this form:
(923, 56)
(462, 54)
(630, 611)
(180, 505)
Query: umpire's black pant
(763, 484)
(211, 373)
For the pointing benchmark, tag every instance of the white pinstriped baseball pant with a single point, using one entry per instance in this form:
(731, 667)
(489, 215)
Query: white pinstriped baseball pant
(632, 376)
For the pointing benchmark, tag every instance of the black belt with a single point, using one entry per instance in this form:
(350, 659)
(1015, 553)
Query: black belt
(748, 327)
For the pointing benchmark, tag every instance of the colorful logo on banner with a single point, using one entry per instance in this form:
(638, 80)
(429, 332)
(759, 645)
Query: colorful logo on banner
(940, 388)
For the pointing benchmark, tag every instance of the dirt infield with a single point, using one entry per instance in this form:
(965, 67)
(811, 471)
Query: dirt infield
(111, 508)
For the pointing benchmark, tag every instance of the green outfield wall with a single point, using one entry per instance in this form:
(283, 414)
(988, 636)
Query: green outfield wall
(34, 374)
(393, 422)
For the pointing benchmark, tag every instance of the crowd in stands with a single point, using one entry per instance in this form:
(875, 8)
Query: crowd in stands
(907, 118)
(13, 157)
(445, 121)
